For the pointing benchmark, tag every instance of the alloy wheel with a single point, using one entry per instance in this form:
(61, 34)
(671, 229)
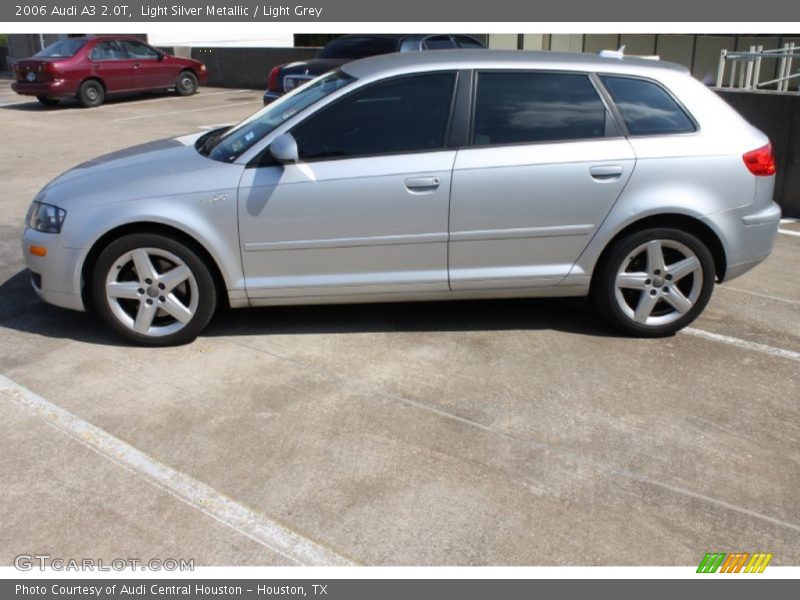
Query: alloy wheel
(658, 282)
(152, 292)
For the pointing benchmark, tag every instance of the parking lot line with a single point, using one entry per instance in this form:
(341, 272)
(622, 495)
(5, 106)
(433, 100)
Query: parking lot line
(602, 466)
(788, 232)
(745, 344)
(181, 112)
(759, 295)
(196, 494)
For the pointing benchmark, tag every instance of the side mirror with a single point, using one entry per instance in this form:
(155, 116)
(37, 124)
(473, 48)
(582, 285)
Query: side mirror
(161, 56)
(284, 149)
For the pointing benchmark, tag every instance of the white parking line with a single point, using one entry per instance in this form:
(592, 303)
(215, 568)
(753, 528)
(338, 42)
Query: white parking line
(788, 232)
(759, 295)
(180, 112)
(786, 220)
(196, 494)
(744, 344)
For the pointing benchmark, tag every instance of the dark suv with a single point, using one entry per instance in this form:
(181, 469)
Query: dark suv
(284, 78)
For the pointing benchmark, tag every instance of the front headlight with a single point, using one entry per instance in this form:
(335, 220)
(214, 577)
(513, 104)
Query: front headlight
(45, 217)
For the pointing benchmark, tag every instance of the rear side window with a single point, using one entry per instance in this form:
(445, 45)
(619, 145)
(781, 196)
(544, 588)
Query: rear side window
(107, 51)
(407, 114)
(513, 108)
(646, 107)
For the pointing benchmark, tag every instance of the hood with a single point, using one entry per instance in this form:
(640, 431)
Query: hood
(156, 169)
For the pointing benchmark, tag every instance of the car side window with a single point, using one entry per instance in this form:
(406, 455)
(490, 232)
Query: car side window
(646, 107)
(439, 42)
(404, 114)
(464, 41)
(139, 50)
(527, 107)
(107, 51)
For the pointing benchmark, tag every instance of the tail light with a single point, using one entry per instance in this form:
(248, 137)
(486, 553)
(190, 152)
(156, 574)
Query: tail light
(273, 79)
(760, 162)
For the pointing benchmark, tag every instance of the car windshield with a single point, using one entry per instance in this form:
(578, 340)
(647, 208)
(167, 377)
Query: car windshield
(352, 48)
(61, 49)
(230, 144)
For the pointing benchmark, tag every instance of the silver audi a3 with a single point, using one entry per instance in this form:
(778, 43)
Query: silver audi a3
(423, 176)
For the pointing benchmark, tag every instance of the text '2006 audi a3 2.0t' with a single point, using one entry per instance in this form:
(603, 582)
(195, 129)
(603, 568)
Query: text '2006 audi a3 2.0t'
(465, 174)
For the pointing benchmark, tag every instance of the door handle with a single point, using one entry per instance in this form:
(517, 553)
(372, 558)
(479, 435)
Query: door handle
(418, 184)
(606, 172)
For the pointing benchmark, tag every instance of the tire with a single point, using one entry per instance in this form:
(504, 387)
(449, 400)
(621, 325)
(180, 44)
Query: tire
(168, 305)
(91, 93)
(654, 282)
(47, 100)
(186, 83)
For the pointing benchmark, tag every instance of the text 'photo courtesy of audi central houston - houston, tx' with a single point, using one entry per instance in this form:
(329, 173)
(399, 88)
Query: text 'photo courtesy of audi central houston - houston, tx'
(422, 176)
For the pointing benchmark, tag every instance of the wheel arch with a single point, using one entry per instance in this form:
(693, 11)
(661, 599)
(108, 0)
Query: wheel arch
(679, 221)
(90, 260)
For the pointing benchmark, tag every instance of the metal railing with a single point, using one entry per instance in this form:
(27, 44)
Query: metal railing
(745, 68)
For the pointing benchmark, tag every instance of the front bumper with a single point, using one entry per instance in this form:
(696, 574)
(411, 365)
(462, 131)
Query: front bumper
(55, 88)
(56, 277)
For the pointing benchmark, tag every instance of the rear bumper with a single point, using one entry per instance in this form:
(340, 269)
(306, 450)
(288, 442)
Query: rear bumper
(56, 277)
(57, 87)
(749, 234)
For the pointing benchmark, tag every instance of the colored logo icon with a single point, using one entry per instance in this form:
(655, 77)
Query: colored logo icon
(738, 562)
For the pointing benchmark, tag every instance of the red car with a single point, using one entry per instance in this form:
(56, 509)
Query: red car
(89, 69)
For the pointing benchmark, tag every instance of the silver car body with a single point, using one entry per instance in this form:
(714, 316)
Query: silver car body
(503, 221)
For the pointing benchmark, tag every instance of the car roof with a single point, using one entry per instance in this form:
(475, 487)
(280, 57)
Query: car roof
(409, 62)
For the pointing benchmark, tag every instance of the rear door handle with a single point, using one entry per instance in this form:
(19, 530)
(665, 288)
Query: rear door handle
(606, 172)
(420, 184)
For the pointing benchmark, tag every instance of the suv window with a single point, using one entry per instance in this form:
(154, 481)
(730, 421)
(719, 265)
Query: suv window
(406, 114)
(646, 107)
(139, 50)
(107, 51)
(464, 41)
(514, 107)
(439, 42)
(358, 47)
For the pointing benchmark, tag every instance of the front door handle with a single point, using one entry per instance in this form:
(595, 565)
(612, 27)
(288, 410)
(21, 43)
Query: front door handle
(421, 184)
(606, 172)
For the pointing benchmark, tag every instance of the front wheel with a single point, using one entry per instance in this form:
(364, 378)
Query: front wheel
(186, 83)
(654, 282)
(153, 290)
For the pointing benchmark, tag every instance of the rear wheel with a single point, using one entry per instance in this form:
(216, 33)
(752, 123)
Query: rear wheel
(47, 100)
(655, 282)
(153, 290)
(91, 93)
(186, 83)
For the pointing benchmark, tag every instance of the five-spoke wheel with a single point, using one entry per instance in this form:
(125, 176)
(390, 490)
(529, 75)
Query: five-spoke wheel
(153, 290)
(655, 282)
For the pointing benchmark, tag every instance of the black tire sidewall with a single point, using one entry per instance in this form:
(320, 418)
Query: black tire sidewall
(604, 292)
(179, 88)
(205, 284)
(101, 94)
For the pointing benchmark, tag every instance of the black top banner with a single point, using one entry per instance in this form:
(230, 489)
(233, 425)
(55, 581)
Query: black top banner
(444, 11)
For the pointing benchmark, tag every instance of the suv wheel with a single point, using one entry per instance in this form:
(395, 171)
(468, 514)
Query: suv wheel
(91, 93)
(655, 282)
(153, 290)
(186, 83)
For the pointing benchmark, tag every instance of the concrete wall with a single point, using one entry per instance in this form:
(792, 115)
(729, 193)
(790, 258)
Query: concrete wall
(246, 67)
(777, 115)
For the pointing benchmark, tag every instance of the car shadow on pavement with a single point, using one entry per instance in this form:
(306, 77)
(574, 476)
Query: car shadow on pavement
(21, 310)
(34, 105)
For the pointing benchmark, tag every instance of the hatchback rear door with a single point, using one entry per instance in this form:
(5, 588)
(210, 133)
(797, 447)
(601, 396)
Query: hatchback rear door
(545, 165)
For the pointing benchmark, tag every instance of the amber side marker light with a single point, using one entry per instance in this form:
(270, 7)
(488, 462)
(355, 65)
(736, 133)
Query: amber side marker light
(38, 250)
